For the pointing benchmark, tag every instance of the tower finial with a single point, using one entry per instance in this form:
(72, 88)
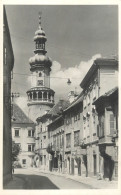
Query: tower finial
(40, 13)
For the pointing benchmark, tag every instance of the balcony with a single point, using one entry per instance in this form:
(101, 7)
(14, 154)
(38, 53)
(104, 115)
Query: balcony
(41, 100)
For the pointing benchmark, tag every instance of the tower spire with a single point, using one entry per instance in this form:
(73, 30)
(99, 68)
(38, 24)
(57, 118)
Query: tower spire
(40, 13)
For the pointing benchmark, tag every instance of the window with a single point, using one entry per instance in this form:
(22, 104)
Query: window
(40, 74)
(16, 132)
(41, 128)
(75, 118)
(24, 161)
(30, 133)
(111, 124)
(100, 128)
(54, 141)
(31, 148)
(76, 138)
(78, 116)
(40, 82)
(68, 140)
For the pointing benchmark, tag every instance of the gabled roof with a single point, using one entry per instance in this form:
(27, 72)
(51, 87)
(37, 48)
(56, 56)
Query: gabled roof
(20, 116)
(55, 111)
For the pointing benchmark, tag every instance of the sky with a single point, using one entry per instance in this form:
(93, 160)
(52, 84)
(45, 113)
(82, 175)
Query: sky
(76, 36)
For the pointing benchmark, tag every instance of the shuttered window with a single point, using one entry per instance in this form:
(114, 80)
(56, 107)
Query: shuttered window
(111, 123)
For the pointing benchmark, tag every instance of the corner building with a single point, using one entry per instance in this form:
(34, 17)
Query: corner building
(101, 77)
(40, 96)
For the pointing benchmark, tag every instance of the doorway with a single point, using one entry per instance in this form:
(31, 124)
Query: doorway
(95, 164)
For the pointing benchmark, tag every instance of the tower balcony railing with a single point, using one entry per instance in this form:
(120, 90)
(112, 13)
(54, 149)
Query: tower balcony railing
(41, 99)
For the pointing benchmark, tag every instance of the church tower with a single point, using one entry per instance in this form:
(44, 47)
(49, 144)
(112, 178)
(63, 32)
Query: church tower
(40, 96)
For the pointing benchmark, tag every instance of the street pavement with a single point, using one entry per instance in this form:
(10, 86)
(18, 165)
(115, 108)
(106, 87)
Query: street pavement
(35, 180)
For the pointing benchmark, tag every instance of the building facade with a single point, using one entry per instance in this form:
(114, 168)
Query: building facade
(40, 96)
(23, 134)
(43, 140)
(101, 77)
(8, 62)
(64, 137)
(107, 109)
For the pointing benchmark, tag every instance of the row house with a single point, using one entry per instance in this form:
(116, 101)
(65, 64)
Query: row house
(73, 132)
(65, 133)
(101, 77)
(23, 133)
(42, 142)
(56, 144)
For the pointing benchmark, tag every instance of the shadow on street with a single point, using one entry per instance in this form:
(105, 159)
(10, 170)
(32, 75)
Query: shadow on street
(36, 182)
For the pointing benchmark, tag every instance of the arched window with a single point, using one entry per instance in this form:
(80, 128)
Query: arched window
(40, 74)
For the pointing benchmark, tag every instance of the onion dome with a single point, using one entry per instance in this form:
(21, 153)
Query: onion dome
(40, 34)
(40, 59)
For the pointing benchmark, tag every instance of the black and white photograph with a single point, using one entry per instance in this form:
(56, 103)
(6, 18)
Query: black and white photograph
(60, 97)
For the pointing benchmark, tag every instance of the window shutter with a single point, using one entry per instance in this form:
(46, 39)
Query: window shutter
(111, 124)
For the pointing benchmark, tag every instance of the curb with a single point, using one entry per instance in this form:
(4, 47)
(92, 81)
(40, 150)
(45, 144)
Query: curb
(73, 179)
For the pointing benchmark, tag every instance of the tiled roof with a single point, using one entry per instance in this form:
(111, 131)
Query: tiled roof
(76, 101)
(62, 104)
(55, 111)
(110, 92)
(106, 95)
(19, 115)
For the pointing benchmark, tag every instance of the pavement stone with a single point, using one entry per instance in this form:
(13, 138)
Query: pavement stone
(92, 181)
(18, 183)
